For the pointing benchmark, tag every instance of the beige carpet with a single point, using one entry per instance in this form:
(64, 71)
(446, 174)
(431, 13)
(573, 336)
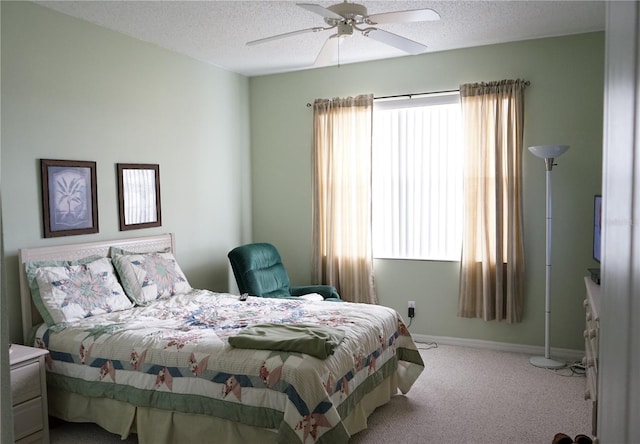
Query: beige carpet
(464, 396)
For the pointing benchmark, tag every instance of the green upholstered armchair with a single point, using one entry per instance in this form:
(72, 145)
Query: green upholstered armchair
(259, 271)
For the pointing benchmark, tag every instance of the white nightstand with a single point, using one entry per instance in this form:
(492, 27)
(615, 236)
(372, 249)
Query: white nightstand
(29, 394)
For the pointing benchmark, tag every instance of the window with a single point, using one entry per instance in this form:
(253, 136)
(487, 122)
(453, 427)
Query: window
(417, 178)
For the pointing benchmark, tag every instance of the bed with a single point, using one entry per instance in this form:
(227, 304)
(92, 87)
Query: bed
(177, 364)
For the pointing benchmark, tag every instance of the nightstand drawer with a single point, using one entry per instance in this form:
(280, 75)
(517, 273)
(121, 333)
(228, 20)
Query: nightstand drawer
(28, 418)
(25, 382)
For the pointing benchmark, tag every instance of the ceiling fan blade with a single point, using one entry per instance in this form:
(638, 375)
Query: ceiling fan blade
(329, 50)
(415, 15)
(286, 34)
(395, 40)
(322, 11)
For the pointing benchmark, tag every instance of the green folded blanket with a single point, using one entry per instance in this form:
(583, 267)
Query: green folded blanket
(316, 340)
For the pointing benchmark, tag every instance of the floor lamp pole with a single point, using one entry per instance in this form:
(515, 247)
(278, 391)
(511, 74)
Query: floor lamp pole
(548, 152)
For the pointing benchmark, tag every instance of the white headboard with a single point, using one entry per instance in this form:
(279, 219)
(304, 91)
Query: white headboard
(30, 315)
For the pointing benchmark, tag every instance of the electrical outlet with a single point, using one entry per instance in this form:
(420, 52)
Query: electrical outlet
(412, 308)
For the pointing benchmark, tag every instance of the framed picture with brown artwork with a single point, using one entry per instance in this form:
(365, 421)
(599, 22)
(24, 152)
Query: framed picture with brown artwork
(69, 197)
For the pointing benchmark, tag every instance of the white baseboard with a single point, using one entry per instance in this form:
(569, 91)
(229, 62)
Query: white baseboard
(567, 354)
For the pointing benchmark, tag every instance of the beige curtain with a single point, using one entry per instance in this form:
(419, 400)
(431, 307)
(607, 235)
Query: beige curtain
(342, 196)
(492, 265)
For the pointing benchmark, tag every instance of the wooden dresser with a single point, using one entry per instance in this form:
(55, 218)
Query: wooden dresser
(591, 338)
(29, 395)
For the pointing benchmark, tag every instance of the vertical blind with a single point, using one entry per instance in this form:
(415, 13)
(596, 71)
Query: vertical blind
(417, 178)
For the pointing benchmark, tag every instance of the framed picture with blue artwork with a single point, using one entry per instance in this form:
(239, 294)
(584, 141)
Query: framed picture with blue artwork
(69, 197)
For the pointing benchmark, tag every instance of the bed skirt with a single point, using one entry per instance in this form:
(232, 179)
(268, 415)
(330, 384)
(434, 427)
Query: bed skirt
(155, 426)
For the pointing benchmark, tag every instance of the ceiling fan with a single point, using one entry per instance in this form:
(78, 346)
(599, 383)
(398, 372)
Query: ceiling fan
(346, 17)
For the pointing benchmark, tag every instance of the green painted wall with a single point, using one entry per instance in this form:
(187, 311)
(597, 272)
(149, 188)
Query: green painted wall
(564, 104)
(72, 90)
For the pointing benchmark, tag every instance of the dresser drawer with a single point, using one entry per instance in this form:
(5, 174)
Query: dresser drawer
(591, 346)
(25, 382)
(28, 418)
(592, 384)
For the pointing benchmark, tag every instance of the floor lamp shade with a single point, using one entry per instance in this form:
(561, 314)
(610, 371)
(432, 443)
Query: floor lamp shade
(548, 153)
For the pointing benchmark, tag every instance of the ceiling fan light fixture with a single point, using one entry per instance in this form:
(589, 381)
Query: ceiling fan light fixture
(345, 30)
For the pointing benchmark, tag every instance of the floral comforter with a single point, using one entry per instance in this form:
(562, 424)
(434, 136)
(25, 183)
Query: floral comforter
(174, 354)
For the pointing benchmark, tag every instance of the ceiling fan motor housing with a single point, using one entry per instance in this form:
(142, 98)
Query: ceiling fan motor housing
(350, 11)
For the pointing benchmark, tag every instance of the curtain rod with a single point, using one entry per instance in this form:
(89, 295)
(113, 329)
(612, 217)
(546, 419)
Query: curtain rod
(408, 95)
(416, 94)
(309, 105)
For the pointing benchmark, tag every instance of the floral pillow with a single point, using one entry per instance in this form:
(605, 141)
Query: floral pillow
(147, 277)
(31, 267)
(67, 292)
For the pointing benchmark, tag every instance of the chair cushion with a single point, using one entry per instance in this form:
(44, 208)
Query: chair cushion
(259, 270)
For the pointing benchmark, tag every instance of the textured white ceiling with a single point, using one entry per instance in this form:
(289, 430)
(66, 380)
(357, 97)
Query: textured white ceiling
(217, 31)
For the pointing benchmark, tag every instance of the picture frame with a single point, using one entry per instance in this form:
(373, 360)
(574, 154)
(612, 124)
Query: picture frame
(139, 195)
(69, 197)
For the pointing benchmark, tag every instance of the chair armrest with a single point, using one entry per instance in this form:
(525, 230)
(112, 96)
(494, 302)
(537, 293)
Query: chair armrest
(278, 294)
(327, 291)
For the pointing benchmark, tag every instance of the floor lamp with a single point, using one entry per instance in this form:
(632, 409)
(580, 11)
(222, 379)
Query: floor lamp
(548, 153)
